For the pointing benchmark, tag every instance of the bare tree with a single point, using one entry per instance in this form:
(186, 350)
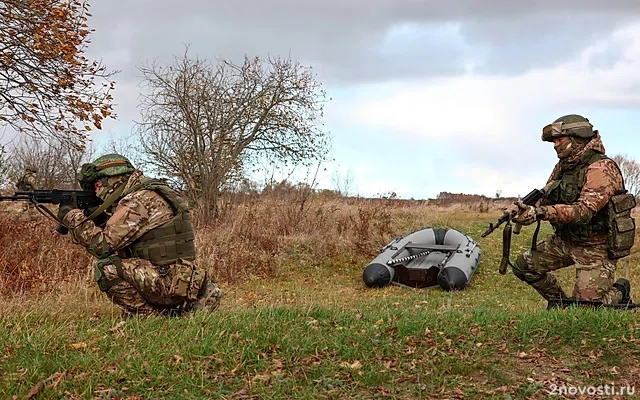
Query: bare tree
(124, 146)
(343, 186)
(57, 164)
(48, 86)
(206, 126)
(630, 171)
(4, 168)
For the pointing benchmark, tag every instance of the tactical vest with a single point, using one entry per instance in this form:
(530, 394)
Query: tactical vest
(167, 243)
(614, 219)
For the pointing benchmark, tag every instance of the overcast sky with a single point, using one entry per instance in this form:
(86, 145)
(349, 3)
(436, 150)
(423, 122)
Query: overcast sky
(427, 96)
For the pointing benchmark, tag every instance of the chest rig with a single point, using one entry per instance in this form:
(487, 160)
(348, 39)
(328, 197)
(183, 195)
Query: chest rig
(169, 242)
(613, 220)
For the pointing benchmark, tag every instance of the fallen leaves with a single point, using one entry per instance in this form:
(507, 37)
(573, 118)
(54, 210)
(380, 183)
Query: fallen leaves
(84, 345)
(117, 327)
(52, 381)
(79, 346)
(354, 365)
(35, 390)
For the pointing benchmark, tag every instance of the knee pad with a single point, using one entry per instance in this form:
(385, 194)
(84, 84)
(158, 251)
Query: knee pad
(109, 278)
(522, 270)
(520, 267)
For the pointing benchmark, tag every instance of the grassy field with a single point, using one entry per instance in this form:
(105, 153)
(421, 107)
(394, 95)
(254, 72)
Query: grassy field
(311, 329)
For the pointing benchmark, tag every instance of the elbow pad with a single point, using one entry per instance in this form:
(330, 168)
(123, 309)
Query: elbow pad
(99, 248)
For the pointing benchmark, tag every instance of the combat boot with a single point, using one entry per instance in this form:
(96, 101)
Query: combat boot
(624, 286)
(560, 302)
(209, 296)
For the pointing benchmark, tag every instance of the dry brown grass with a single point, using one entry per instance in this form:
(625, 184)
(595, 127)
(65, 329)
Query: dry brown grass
(33, 258)
(253, 240)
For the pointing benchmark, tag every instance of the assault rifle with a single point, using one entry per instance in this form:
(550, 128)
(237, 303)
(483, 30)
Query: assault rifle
(530, 199)
(86, 200)
(554, 303)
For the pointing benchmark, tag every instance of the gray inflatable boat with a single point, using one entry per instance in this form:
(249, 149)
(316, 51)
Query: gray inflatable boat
(425, 258)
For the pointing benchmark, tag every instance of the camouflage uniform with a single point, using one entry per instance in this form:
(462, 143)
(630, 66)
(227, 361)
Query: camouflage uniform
(27, 182)
(127, 271)
(577, 193)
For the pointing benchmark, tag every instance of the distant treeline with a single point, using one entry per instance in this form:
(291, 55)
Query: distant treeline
(445, 198)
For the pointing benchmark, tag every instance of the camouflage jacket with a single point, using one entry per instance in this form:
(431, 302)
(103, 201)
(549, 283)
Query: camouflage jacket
(134, 215)
(602, 180)
(27, 181)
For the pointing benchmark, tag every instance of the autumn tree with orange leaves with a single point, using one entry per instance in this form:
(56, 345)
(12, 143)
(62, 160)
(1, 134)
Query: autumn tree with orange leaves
(50, 90)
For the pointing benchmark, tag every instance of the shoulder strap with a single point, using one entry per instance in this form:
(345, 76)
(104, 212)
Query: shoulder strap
(106, 204)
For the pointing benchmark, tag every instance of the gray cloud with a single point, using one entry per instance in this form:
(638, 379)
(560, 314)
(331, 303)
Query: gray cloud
(533, 41)
(351, 41)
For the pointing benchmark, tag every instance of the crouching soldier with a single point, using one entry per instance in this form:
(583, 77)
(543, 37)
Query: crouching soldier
(590, 211)
(145, 251)
(27, 182)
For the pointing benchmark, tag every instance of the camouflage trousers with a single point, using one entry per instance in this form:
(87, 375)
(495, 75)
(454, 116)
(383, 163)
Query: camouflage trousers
(595, 271)
(139, 287)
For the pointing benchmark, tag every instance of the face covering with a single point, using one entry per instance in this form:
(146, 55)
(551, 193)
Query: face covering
(570, 148)
(108, 186)
(564, 150)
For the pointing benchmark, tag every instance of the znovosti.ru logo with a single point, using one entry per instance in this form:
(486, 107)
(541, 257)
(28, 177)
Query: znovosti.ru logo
(601, 390)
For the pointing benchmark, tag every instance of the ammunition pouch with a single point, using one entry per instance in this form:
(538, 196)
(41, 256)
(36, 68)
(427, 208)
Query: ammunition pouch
(187, 279)
(622, 226)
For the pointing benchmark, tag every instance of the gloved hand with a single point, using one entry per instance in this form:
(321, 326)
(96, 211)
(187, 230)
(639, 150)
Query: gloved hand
(512, 210)
(64, 210)
(526, 217)
(516, 208)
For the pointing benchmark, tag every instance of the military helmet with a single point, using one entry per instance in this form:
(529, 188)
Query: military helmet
(103, 167)
(113, 165)
(31, 168)
(568, 125)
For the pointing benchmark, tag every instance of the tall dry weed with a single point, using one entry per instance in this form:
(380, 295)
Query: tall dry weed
(252, 239)
(33, 257)
(255, 237)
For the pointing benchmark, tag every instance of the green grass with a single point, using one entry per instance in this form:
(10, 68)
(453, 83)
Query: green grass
(315, 331)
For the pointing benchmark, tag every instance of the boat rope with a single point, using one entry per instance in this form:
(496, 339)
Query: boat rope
(407, 258)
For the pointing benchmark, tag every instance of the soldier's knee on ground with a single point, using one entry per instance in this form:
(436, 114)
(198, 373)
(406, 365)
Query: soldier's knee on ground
(522, 269)
(125, 296)
(106, 276)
